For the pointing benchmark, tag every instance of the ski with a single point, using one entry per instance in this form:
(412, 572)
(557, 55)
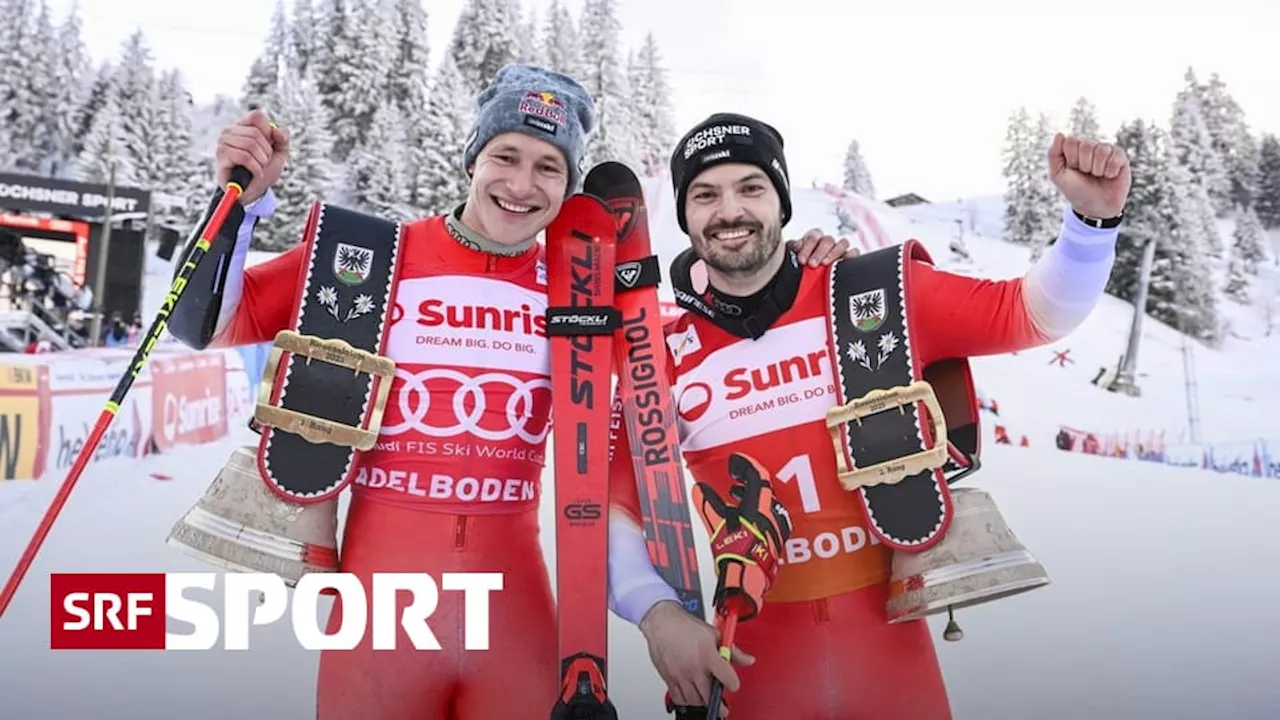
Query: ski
(581, 321)
(648, 410)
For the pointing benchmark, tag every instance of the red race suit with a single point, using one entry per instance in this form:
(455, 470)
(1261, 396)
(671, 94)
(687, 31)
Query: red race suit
(453, 482)
(824, 649)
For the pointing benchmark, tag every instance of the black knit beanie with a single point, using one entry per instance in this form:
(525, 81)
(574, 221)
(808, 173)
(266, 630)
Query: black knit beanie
(730, 138)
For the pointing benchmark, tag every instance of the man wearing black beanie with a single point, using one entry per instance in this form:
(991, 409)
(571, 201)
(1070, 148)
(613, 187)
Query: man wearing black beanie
(730, 138)
(757, 362)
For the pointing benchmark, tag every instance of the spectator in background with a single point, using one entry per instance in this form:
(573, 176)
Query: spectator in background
(135, 329)
(1064, 440)
(116, 333)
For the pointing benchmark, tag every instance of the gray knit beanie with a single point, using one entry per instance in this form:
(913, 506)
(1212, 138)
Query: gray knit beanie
(540, 103)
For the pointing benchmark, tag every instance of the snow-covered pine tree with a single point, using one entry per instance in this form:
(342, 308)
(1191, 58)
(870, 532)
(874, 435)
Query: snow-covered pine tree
(124, 131)
(99, 89)
(105, 146)
(1268, 200)
(16, 106)
(331, 44)
(1046, 203)
(1192, 148)
(439, 181)
(1183, 293)
(310, 173)
(207, 122)
(135, 97)
(643, 144)
(1084, 120)
(1236, 148)
(361, 79)
(1237, 285)
(38, 131)
(1017, 138)
(6, 154)
(1142, 220)
(410, 66)
(410, 82)
(528, 50)
(604, 77)
(484, 40)
(73, 81)
(1249, 241)
(653, 116)
(304, 31)
(341, 69)
(181, 171)
(264, 74)
(1237, 143)
(857, 178)
(375, 180)
(560, 45)
(1032, 208)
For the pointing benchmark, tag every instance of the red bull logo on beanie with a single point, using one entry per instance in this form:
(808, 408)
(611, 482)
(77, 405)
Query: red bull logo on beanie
(544, 105)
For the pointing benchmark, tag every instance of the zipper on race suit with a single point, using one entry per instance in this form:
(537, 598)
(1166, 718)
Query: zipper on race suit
(821, 613)
(459, 531)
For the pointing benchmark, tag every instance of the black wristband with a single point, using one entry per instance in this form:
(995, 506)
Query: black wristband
(1101, 224)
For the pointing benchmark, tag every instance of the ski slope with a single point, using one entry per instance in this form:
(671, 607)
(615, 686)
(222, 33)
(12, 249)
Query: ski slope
(1150, 562)
(1143, 619)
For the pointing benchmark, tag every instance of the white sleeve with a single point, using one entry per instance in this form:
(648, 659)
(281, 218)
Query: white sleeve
(1064, 285)
(634, 585)
(233, 289)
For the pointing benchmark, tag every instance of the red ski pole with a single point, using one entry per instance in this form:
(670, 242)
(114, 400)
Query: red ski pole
(240, 179)
(726, 651)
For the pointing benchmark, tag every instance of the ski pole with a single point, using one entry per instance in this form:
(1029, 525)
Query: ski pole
(727, 621)
(726, 652)
(239, 180)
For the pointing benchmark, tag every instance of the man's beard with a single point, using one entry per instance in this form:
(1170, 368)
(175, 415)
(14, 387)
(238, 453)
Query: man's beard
(746, 261)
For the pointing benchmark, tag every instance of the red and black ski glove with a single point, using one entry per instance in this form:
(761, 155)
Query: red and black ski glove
(746, 538)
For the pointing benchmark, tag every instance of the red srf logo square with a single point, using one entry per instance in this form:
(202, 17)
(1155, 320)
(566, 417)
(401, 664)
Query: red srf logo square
(106, 611)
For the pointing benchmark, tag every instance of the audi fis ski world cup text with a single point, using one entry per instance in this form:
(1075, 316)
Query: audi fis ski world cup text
(131, 611)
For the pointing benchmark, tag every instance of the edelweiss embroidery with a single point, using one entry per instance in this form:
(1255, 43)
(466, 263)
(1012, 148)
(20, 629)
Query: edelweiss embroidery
(887, 344)
(328, 297)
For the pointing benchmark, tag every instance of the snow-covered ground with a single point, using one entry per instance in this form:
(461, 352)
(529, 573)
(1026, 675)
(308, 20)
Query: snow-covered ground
(1148, 561)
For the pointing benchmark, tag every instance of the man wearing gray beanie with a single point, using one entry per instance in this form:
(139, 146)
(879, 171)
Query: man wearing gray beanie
(454, 481)
(527, 114)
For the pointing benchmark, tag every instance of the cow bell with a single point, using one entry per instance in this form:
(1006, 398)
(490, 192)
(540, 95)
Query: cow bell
(977, 561)
(241, 525)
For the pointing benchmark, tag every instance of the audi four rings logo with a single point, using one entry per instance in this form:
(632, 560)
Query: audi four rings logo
(470, 403)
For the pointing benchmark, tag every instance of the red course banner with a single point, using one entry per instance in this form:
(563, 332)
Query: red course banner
(189, 396)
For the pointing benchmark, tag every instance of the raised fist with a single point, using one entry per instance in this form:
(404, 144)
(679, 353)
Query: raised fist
(257, 144)
(1093, 176)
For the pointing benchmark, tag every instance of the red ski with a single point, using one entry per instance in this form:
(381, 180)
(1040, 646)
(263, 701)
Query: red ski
(581, 321)
(648, 411)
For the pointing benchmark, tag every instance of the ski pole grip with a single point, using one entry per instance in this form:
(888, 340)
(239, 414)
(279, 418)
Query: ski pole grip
(240, 177)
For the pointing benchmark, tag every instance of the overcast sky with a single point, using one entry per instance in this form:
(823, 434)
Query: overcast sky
(925, 86)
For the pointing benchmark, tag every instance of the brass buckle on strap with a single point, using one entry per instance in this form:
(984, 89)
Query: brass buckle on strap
(335, 352)
(894, 470)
